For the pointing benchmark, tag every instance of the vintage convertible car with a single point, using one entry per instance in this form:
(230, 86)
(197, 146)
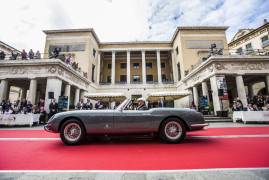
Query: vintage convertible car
(170, 123)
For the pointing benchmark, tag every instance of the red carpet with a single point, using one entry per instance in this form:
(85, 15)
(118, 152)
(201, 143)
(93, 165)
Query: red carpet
(135, 155)
(209, 132)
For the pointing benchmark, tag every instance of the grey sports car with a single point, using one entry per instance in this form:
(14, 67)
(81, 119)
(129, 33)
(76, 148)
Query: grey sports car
(170, 123)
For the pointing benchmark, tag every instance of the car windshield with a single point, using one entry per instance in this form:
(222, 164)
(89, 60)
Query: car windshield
(123, 104)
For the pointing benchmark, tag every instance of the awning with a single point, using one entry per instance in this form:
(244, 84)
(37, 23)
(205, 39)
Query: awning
(168, 95)
(106, 97)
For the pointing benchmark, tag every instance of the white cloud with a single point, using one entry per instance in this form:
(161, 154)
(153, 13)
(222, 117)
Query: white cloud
(123, 20)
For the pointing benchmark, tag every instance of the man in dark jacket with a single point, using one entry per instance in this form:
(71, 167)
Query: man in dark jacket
(53, 108)
(141, 103)
(99, 105)
(162, 103)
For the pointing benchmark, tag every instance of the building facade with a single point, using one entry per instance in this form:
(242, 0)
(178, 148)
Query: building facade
(186, 63)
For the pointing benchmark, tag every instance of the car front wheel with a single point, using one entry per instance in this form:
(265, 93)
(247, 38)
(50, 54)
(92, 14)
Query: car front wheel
(172, 131)
(72, 132)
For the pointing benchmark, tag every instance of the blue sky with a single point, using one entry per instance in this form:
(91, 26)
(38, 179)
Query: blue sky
(123, 20)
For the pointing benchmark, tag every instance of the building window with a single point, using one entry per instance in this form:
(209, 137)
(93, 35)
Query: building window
(123, 65)
(265, 38)
(149, 78)
(123, 78)
(94, 52)
(136, 78)
(164, 78)
(265, 41)
(149, 65)
(249, 47)
(108, 79)
(178, 71)
(93, 69)
(162, 64)
(177, 50)
(239, 51)
(136, 65)
(108, 66)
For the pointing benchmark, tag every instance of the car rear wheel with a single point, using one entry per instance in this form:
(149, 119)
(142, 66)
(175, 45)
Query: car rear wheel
(72, 132)
(172, 131)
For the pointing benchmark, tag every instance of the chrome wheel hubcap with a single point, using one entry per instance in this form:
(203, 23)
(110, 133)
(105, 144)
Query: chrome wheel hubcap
(72, 132)
(173, 130)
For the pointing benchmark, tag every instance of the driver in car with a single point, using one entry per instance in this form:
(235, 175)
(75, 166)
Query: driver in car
(142, 104)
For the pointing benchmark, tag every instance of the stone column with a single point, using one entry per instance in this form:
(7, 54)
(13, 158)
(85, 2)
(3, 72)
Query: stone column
(159, 66)
(3, 89)
(67, 90)
(113, 68)
(215, 97)
(190, 96)
(32, 91)
(267, 84)
(23, 93)
(8, 92)
(76, 99)
(53, 85)
(195, 96)
(173, 66)
(38, 94)
(82, 94)
(144, 76)
(98, 68)
(205, 90)
(241, 89)
(128, 66)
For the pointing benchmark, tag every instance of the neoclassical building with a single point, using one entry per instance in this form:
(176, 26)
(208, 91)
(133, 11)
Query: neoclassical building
(188, 62)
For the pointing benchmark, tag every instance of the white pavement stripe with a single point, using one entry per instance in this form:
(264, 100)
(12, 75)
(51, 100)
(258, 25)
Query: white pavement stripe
(187, 137)
(28, 139)
(185, 170)
(226, 136)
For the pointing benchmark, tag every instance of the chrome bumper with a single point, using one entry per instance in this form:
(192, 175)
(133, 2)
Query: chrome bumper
(46, 128)
(200, 125)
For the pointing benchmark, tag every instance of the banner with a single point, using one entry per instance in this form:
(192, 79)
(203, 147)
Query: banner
(221, 82)
(63, 103)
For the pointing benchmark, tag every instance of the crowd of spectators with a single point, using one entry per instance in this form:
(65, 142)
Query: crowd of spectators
(256, 103)
(31, 55)
(24, 107)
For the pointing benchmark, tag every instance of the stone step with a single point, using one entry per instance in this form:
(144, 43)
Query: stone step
(215, 117)
(218, 120)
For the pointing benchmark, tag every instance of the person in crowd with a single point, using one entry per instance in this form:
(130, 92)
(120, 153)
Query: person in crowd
(99, 105)
(43, 115)
(53, 108)
(80, 105)
(235, 108)
(267, 107)
(192, 106)
(3, 105)
(29, 106)
(37, 55)
(24, 110)
(56, 52)
(255, 107)
(14, 55)
(31, 54)
(248, 99)
(162, 103)
(239, 103)
(266, 100)
(17, 104)
(142, 104)
(9, 111)
(24, 55)
(68, 60)
(89, 105)
(260, 102)
(41, 103)
(248, 108)
(149, 105)
(34, 110)
(2, 55)
(62, 57)
(8, 104)
(23, 104)
(73, 65)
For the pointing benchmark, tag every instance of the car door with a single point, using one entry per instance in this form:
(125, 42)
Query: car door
(132, 120)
